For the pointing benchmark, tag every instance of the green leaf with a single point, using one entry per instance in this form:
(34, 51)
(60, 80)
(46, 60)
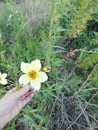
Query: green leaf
(96, 83)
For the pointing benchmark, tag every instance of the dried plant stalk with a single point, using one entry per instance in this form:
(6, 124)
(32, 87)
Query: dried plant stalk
(35, 11)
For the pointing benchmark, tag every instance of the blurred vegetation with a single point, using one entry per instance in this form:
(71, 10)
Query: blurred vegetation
(63, 34)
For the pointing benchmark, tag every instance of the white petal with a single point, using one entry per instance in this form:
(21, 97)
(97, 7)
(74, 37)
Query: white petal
(24, 79)
(3, 81)
(42, 77)
(35, 84)
(25, 67)
(36, 65)
(4, 75)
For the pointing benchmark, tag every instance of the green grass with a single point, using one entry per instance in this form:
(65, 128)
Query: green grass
(69, 97)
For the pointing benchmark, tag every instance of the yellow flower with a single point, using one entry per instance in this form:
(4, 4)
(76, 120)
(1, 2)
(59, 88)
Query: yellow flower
(3, 80)
(18, 87)
(32, 74)
(46, 69)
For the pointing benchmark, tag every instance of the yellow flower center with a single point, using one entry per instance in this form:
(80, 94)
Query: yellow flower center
(32, 74)
(0, 78)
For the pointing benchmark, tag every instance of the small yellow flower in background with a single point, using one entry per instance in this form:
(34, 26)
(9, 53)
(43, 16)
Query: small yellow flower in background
(3, 79)
(46, 69)
(32, 74)
(18, 87)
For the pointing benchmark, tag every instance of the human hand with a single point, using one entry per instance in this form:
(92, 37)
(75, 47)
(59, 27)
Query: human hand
(12, 103)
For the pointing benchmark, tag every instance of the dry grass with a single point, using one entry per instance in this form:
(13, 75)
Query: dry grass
(36, 11)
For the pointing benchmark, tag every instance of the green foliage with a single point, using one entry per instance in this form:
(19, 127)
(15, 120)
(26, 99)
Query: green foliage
(72, 79)
(78, 14)
(95, 40)
(89, 61)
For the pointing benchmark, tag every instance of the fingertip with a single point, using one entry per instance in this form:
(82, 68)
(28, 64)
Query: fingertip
(27, 86)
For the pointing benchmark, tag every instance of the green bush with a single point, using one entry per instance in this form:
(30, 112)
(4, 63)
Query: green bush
(67, 41)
